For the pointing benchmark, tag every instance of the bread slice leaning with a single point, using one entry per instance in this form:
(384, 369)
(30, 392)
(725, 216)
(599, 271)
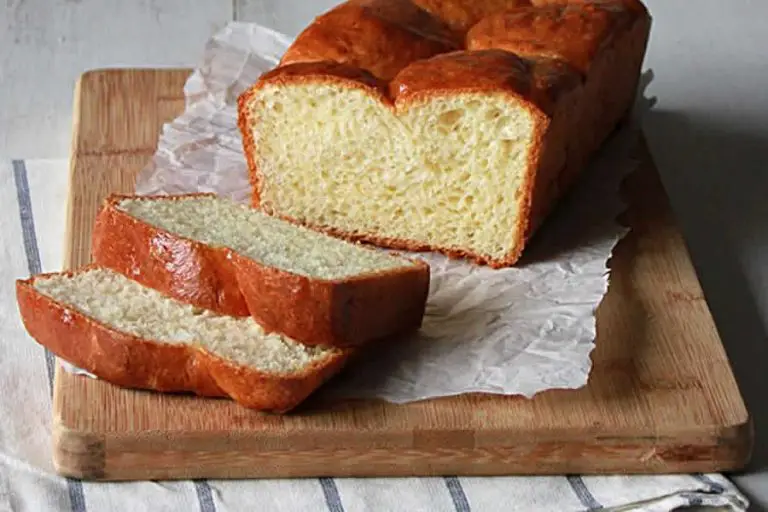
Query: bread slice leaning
(219, 255)
(134, 336)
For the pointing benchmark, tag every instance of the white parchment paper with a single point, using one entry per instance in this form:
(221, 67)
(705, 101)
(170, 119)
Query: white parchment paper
(515, 331)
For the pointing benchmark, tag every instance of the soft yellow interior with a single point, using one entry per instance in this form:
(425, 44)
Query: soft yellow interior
(222, 223)
(125, 305)
(443, 172)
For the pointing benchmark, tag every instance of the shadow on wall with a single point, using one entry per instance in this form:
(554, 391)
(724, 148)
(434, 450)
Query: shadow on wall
(717, 180)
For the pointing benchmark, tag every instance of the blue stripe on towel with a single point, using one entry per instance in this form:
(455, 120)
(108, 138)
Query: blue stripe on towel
(204, 496)
(331, 493)
(582, 492)
(459, 498)
(75, 487)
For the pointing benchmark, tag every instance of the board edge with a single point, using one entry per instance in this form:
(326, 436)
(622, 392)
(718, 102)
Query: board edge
(73, 162)
(76, 453)
(81, 454)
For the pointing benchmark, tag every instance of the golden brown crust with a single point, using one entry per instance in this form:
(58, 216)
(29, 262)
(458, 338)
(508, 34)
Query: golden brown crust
(537, 82)
(262, 391)
(412, 17)
(460, 15)
(128, 361)
(370, 36)
(606, 97)
(570, 32)
(602, 42)
(328, 70)
(339, 313)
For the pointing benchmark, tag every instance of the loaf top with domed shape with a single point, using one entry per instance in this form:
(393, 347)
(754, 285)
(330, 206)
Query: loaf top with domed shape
(384, 37)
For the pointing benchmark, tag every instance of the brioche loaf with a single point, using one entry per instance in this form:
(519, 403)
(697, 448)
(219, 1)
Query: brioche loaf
(234, 260)
(451, 125)
(136, 337)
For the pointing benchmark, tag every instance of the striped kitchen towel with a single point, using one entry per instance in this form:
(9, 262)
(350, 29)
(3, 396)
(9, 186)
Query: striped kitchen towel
(32, 199)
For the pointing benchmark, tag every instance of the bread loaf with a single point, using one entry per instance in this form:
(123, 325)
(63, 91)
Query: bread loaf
(451, 125)
(136, 337)
(215, 254)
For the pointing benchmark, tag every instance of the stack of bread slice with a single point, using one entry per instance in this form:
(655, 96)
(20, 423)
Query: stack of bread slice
(195, 293)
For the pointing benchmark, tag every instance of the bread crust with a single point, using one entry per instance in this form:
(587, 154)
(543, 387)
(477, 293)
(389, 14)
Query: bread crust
(571, 32)
(338, 313)
(537, 83)
(380, 36)
(461, 15)
(600, 41)
(129, 361)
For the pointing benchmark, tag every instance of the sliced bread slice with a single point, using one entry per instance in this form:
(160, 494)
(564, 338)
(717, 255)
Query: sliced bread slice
(134, 336)
(233, 259)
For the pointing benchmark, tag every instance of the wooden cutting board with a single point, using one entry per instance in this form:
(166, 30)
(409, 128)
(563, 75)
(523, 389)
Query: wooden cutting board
(661, 396)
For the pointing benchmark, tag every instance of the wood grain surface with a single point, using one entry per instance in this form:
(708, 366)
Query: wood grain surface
(661, 396)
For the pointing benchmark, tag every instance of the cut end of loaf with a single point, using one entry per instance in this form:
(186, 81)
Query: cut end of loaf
(445, 172)
(124, 305)
(219, 222)
(464, 152)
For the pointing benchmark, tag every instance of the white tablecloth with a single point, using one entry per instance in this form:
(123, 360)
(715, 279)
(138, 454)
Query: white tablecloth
(32, 216)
